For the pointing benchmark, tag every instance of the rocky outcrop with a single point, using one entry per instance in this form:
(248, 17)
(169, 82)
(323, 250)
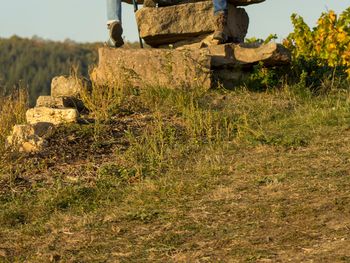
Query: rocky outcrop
(166, 25)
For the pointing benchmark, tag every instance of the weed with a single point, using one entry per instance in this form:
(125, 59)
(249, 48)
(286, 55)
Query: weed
(12, 111)
(13, 218)
(103, 100)
(143, 215)
(217, 176)
(150, 151)
(109, 170)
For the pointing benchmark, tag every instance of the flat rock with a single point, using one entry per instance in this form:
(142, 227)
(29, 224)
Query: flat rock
(59, 102)
(153, 67)
(62, 86)
(166, 25)
(176, 2)
(52, 102)
(51, 115)
(271, 54)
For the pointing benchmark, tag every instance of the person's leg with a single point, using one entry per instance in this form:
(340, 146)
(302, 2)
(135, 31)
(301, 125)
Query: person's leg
(220, 6)
(220, 14)
(114, 22)
(114, 11)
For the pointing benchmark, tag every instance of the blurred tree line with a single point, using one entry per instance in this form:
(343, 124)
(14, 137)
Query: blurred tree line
(34, 62)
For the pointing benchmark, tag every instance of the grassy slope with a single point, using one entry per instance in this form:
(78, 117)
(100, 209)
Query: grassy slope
(221, 177)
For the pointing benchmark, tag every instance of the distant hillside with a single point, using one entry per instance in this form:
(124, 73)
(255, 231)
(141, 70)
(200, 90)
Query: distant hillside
(34, 62)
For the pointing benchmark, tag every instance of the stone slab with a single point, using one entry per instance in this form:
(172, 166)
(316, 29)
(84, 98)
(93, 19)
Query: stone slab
(271, 54)
(51, 115)
(62, 86)
(153, 67)
(166, 25)
(60, 102)
(52, 102)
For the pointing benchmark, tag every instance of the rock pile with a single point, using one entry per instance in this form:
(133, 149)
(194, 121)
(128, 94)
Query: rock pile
(183, 53)
(59, 108)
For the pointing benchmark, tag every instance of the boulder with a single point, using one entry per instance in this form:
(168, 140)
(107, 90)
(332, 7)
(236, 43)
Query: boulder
(26, 138)
(166, 25)
(62, 86)
(51, 115)
(153, 67)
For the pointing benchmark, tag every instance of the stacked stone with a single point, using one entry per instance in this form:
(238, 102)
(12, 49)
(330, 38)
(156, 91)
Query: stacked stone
(184, 22)
(61, 107)
(183, 53)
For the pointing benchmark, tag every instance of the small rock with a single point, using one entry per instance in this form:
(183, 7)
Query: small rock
(66, 87)
(51, 115)
(24, 138)
(3, 253)
(60, 102)
(50, 102)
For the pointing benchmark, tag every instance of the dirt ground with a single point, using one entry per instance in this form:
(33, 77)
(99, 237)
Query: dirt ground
(276, 198)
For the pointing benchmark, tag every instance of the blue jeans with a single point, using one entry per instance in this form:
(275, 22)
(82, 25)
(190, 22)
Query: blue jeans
(220, 6)
(114, 10)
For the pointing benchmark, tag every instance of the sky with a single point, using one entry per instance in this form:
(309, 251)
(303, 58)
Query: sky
(85, 20)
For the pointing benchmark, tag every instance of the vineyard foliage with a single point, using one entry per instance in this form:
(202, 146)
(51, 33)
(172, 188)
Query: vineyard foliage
(326, 46)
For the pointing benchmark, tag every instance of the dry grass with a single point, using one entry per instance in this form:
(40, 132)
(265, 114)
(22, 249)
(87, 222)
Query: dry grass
(224, 176)
(12, 111)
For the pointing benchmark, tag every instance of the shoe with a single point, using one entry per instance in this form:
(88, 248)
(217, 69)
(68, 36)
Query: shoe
(115, 34)
(220, 27)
